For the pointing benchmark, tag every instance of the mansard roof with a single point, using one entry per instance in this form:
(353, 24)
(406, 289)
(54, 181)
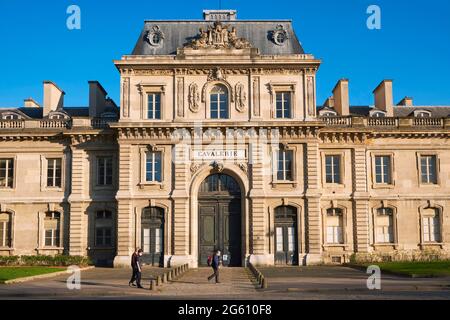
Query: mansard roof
(176, 34)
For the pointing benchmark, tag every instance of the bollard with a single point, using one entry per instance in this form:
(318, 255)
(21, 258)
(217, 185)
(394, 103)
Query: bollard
(175, 272)
(169, 276)
(152, 285)
(164, 278)
(264, 284)
(158, 281)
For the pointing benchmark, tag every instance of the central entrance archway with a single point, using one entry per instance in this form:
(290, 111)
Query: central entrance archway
(219, 210)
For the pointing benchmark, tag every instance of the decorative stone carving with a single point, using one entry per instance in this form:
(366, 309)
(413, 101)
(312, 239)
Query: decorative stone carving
(256, 100)
(310, 96)
(218, 36)
(194, 97)
(180, 97)
(217, 166)
(244, 167)
(216, 74)
(279, 35)
(241, 97)
(195, 167)
(155, 36)
(126, 96)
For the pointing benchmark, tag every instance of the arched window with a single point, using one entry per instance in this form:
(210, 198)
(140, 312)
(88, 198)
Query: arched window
(103, 228)
(219, 102)
(431, 225)
(422, 114)
(11, 116)
(52, 227)
(334, 224)
(384, 229)
(5, 229)
(378, 114)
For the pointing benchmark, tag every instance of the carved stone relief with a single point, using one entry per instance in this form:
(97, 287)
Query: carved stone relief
(241, 97)
(180, 97)
(126, 97)
(256, 100)
(194, 97)
(310, 98)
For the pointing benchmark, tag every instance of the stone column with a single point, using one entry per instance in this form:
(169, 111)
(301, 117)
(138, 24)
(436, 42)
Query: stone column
(258, 222)
(313, 194)
(125, 226)
(181, 218)
(77, 198)
(360, 200)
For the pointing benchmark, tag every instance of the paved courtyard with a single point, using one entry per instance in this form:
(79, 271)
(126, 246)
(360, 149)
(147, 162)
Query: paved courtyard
(284, 283)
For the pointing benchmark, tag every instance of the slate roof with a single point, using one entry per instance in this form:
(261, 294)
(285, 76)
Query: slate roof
(257, 32)
(403, 111)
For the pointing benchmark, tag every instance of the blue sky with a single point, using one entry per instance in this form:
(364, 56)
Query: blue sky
(412, 47)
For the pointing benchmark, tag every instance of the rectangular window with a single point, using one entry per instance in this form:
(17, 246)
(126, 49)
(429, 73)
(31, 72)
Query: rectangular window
(283, 105)
(52, 229)
(280, 239)
(103, 228)
(104, 171)
(291, 239)
(153, 167)
(431, 229)
(146, 242)
(284, 165)
(428, 169)
(6, 173)
(158, 240)
(54, 173)
(154, 106)
(4, 234)
(219, 106)
(333, 169)
(383, 170)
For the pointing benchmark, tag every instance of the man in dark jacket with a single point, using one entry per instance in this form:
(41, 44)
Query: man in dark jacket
(215, 264)
(136, 266)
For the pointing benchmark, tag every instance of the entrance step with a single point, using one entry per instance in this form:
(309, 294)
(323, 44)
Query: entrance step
(194, 284)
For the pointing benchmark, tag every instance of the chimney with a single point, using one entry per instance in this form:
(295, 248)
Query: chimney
(406, 102)
(31, 103)
(53, 97)
(341, 99)
(329, 102)
(97, 99)
(384, 99)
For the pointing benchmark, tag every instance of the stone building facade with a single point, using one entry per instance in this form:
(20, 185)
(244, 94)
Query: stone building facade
(219, 144)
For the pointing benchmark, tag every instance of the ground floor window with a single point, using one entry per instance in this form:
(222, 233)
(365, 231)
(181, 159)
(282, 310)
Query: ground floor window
(431, 226)
(334, 226)
(103, 228)
(52, 229)
(384, 225)
(5, 230)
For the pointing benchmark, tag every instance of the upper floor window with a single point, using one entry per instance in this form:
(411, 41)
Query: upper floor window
(154, 106)
(219, 102)
(383, 170)
(283, 105)
(54, 172)
(378, 114)
(52, 229)
(333, 169)
(384, 225)
(422, 114)
(428, 169)
(334, 225)
(6, 173)
(103, 228)
(284, 165)
(104, 171)
(431, 225)
(5, 229)
(153, 168)
(11, 116)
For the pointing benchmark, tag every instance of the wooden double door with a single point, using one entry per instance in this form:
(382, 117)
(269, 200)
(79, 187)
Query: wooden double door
(152, 236)
(220, 220)
(286, 239)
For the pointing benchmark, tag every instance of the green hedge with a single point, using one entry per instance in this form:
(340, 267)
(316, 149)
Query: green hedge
(41, 260)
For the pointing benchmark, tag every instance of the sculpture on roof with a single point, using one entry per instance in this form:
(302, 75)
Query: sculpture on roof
(218, 36)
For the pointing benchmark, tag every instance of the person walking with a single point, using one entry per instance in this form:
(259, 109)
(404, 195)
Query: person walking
(133, 263)
(215, 264)
(137, 270)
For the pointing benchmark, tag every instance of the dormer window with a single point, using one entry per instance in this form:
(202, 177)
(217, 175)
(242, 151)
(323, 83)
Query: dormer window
(422, 114)
(378, 114)
(328, 114)
(57, 116)
(11, 116)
